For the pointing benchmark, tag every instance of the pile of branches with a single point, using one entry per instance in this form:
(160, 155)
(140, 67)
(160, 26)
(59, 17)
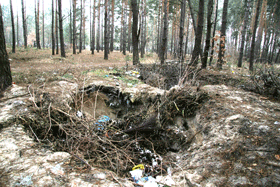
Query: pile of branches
(267, 82)
(181, 102)
(117, 145)
(94, 144)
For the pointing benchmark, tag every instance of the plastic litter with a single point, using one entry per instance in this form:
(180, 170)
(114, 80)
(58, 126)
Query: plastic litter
(25, 181)
(136, 174)
(100, 124)
(57, 169)
(139, 166)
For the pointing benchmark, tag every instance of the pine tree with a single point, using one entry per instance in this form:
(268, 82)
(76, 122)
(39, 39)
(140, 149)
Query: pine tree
(13, 28)
(24, 24)
(5, 71)
(251, 60)
(135, 34)
(74, 26)
(223, 36)
(243, 33)
(62, 49)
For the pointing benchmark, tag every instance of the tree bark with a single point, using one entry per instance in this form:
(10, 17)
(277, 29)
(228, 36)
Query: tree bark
(62, 49)
(143, 29)
(84, 26)
(243, 33)
(198, 34)
(124, 27)
(129, 32)
(17, 31)
(5, 70)
(181, 32)
(214, 31)
(112, 27)
(135, 33)
(70, 25)
(208, 35)
(93, 29)
(74, 26)
(24, 24)
(164, 35)
(223, 36)
(81, 28)
(187, 35)
(37, 14)
(56, 27)
(43, 24)
(53, 38)
(98, 29)
(251, 60)
(106, 38)
(260, 29)
(13, 28)
(192, 15)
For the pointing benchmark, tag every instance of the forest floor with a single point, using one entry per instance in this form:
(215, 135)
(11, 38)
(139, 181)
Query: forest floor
(217, 129)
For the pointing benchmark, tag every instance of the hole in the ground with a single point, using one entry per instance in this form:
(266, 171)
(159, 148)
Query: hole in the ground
(105, 127)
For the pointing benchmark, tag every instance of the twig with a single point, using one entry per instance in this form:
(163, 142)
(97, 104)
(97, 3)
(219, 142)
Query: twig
(84, 161)
(34, 134)
(50, 119)
(94, 109)
(32, 97)
(115, 178)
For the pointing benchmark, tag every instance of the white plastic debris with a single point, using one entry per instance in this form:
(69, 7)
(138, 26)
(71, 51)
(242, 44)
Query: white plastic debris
(25, 181)
(136, 174)
(57, 169)
(276, 123)
(79, 114)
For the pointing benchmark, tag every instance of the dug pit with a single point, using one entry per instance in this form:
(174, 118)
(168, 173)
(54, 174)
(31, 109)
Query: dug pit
(117, 129)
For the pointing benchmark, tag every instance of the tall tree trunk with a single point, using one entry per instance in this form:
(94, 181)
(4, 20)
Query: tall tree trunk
(214, 31)
(5, 70)
(84, 26)
(17, 31)
(93, 29)
(53, 38)
(37, 16)
(124, 27)
(61, 29)
(198, 34)
(129, 32)
(112, 26)
(56, 27)
(98, 29)
(192, 15)
(81, 28)
(261, 27)
(208, 35)
(223, 36)
(243, 33)
(181, 34)
(135, 33)
(74, 26)
(24, 24)
(43, 24)
(102, 30)
(106, 37)
(251, 60)
(143, 29)
(70, 25)
(164, 34)
(275, 42)
(13, 28)
(158, 32)
(187, 35)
